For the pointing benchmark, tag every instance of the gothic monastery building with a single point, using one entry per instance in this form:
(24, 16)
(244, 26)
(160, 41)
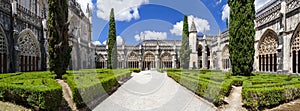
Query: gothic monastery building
(23, 41)
(23, 36)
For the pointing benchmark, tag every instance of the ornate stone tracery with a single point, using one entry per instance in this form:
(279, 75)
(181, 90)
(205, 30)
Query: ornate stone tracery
(29, 55)
(100, 61)
(295, 52)
(268, 52)
(149, 61)
(3, 52)
(166, 60)
(132, 60)
(226, 58)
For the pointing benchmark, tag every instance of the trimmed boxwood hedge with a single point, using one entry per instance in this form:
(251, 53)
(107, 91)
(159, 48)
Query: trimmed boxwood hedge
(35, 90)
(269, 90)
(210, 85)
(88, 87)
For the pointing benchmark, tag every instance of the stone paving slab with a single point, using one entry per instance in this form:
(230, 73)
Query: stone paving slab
(153, 91)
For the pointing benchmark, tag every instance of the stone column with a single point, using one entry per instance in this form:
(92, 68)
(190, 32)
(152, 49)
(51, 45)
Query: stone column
(157, 61)
(204, 58)
(173, 61)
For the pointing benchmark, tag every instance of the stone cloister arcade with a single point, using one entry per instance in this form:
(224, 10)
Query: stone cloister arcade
(3, 52)
(29, 51)
(295, 51)
(268, 52)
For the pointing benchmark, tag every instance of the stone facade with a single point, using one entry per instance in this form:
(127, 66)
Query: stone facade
(23, 35)
(277, 44)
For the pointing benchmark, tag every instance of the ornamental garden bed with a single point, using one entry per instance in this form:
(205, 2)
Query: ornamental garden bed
(40, 91)
(259, 91)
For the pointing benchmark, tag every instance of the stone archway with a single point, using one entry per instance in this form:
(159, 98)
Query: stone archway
(226, 58)
(132, 60)
(166, 60)
(268, 52)
(29, 55)
(295, 50)
(3, 52)
(148, 61)
(100, 61)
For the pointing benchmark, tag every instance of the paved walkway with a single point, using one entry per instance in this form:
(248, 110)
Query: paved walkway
(153, 91)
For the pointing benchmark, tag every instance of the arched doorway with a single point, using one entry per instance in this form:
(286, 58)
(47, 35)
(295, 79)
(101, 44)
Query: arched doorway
(132, 60)
(29, 56)
(295, 51)
(148, 61)
(225, 58)
(166, 60)
(3, 52)
(200, 56)
(100, 61)
(268, 52)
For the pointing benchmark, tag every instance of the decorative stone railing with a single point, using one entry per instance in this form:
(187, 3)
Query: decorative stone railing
(225, 36)
(27, 16)
(292, 5)
(269, 15)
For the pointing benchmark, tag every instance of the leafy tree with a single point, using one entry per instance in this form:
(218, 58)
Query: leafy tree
(241, 36)
(59, 49)
(185, 50)
(112, 45)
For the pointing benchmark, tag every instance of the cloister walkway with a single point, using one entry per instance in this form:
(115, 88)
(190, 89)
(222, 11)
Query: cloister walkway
(153, 91)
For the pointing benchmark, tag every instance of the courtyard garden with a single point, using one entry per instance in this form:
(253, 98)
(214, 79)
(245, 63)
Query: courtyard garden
(259, 91)
(40, 90)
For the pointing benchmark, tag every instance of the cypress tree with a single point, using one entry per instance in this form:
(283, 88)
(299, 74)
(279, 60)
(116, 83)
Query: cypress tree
(185, 50)
(112, 45)
(59, 49)
(241, 36)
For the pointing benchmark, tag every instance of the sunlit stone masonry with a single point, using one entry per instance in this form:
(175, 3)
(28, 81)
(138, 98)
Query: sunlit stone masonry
(23, 36)
(277, 45)
(23, 41)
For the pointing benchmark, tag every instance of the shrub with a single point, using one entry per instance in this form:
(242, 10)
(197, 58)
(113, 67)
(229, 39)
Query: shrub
(88, 87)
(210, 86)
(44, 94)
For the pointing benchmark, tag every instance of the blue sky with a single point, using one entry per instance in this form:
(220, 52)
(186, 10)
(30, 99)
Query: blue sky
(157, 19)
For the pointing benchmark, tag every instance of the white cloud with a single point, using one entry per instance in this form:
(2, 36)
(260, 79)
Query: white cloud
(260, 3)
(218, 2)
(201, 25)
(83, 4)
(125, 10)
(151, 35)
(97, 43)
(104, 42)
(225, 12)
(119, 40)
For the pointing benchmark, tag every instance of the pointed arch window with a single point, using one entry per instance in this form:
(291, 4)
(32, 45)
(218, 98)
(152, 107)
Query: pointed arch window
(268, 53)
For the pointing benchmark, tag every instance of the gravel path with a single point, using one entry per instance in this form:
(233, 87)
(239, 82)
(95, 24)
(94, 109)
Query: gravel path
(151, 90)
(234, 100)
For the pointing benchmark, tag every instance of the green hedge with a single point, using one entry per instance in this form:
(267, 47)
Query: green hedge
(88, 87)
(210, 85)
(36, 90)
(266, 91)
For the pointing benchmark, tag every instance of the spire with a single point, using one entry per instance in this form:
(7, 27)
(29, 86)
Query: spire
(193, 27)
(219, 32)
(204, 34)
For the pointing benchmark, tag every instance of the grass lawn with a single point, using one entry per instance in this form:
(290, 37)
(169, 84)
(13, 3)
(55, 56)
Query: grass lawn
(259, 91)
(40, 91)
